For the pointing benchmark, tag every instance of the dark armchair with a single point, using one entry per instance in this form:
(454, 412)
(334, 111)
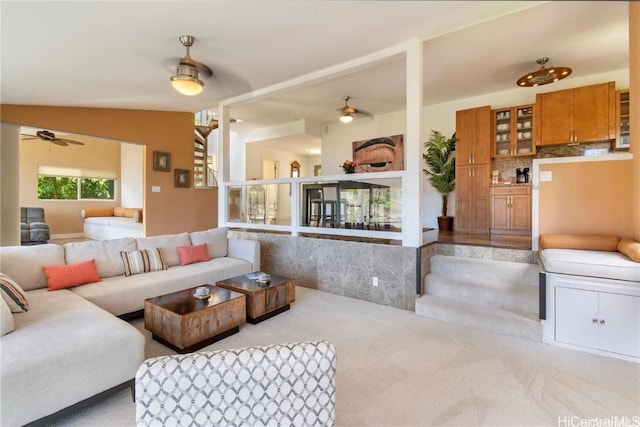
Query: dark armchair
(33, 229)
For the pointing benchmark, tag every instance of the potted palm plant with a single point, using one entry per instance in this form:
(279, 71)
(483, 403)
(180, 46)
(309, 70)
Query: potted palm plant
(441, 170)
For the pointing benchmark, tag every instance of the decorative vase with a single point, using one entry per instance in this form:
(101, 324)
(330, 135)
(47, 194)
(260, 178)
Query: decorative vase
(349, 166)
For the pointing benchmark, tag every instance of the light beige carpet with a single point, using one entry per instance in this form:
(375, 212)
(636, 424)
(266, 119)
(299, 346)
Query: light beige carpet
(398, 369)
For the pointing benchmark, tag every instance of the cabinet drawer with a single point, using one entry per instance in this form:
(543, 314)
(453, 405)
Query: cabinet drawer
(505, 191)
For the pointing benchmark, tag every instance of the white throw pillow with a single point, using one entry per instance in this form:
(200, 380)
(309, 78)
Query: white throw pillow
(216, 240)
(6, 318)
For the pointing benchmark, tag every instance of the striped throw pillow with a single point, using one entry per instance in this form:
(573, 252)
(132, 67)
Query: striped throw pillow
(142, 261)
(13, 294)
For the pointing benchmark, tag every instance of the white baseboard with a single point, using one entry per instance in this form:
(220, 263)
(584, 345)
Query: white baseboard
(66, 236)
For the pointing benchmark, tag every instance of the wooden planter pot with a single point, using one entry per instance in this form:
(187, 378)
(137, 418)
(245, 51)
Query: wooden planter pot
(445, 223)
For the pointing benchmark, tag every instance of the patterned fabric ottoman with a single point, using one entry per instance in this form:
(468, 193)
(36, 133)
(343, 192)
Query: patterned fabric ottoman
(275, 385)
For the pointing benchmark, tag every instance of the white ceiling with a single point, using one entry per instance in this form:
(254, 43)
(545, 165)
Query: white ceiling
(114, 54)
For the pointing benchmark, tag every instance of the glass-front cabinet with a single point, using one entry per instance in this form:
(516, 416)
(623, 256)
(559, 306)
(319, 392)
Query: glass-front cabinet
(512, 130)
(622, 119)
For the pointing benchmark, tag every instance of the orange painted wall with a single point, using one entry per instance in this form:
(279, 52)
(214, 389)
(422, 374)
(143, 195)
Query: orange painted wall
(172, 210)
(587, 197)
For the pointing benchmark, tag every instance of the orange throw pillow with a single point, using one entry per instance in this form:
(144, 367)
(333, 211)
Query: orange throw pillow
(69, 275)
(191, 254)
(586, 242)
(119, 211)
(89, 212)
(630, 248)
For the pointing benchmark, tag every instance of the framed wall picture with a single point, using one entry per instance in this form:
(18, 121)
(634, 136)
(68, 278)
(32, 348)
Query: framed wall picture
(181, 177)
(161, 161)
(379, 154)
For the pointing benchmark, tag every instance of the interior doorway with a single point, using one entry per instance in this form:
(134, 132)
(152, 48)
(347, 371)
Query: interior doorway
(86, 155)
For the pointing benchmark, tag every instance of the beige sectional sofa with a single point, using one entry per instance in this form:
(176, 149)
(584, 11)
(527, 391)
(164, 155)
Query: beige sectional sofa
(70, 346)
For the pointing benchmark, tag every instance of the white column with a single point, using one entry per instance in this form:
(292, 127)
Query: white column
(634, 109)
(9, 184)
(224, 138)
(412, 183)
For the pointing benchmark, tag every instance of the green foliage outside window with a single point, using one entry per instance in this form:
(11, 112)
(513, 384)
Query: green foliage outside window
(57, 187)
(66, 188)
(95, 188)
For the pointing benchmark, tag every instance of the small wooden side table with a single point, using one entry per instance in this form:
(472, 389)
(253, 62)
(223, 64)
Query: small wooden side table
(264, 300)
(185, 323)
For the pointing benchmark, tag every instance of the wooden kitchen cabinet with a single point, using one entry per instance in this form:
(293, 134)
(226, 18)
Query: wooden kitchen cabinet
(511, 210)
(472, 198)
(582, 114)
(473, 170)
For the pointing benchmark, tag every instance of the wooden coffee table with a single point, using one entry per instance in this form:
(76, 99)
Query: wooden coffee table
(185, 323)
(264, 300)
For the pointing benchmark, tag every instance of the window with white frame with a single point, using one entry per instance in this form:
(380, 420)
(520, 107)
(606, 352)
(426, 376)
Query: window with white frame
(63, 183)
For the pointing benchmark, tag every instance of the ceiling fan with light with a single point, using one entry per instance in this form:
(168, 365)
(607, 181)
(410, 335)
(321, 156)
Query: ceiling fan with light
(186, 80)
(347, 112)
(544, 75)
(47, 136)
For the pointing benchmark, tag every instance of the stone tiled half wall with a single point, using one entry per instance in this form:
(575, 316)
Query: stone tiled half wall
(344, 267)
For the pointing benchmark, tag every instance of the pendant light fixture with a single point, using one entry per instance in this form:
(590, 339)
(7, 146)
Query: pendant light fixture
(544, 75)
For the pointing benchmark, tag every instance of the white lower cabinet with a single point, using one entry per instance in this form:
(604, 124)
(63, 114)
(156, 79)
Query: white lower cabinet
(599, 320)
(619, 323)
(577, 317)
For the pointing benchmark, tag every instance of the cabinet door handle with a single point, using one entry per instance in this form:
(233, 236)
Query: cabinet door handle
(469, 172)
(473, 158)
(473, 172)
(594, 321)
(470, 158)
(602, 321)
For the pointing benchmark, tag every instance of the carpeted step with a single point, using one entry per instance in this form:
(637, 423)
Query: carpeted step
(486, 292)
(480, 316)
(515, 273)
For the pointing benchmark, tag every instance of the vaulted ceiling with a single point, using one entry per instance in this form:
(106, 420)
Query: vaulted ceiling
(120, 54)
